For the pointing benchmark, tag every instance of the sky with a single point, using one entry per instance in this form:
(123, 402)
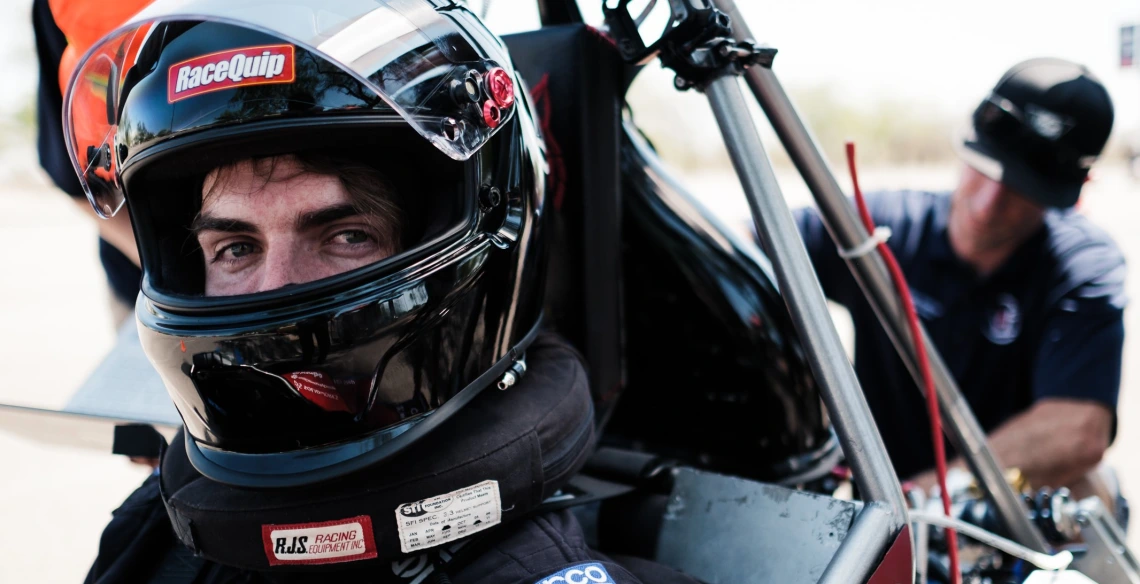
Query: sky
(945, 55)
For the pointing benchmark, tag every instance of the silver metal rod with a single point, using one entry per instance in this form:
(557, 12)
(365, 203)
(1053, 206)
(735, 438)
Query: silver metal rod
(1044, 561)
(869, 538)
(846, 229)
(798, 285)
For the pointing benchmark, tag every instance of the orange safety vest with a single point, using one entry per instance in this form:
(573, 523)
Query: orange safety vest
(83, 23)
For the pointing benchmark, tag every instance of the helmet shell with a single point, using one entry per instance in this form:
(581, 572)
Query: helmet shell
(312, 381)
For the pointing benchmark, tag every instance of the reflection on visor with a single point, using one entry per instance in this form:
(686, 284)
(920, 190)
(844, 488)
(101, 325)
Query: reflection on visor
(327, 393)
(455, 89)
(91, 120)
(349, 394)
(311, 404)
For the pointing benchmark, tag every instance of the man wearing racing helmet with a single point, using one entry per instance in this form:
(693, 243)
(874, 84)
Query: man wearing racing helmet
(337, 210)
(1022, 295)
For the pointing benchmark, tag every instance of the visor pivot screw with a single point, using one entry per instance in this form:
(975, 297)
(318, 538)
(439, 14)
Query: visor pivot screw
(513, 375)
(500, 87)
(492, 115)
(465, 91)
(99, 157)
(489, 198)
(450, 129)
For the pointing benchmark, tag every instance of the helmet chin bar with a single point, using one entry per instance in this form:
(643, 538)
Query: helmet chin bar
(314, 465)
(521, 460)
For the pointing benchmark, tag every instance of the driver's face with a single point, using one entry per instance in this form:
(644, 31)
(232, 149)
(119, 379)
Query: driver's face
(296, 227)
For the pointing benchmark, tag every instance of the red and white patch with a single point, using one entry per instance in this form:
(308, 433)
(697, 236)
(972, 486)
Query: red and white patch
(327, 542)
(318, 388)
(229, 69)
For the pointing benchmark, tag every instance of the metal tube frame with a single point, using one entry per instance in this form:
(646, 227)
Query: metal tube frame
(880, 521)
(856, 562)
(845, 228)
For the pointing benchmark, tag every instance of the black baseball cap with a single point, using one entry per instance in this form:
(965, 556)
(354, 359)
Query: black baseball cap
(1040, 130)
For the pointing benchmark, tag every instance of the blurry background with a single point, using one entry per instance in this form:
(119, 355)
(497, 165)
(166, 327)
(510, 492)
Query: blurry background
(898, 77)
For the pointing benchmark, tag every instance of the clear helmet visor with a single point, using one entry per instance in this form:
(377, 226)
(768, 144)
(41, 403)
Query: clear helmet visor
(438, 69)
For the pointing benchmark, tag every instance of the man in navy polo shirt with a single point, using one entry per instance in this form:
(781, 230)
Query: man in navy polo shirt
(1022, 296)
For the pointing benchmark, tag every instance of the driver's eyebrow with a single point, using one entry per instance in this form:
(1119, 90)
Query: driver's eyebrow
(325, 216)
(210, 223)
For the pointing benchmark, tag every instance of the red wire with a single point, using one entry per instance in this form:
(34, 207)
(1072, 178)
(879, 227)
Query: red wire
(923, 364)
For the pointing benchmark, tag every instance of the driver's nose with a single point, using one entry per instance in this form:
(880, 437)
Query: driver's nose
(280, 268)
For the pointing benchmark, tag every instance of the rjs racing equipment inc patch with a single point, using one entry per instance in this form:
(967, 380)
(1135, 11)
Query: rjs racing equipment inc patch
(591, 573)
(326, 542)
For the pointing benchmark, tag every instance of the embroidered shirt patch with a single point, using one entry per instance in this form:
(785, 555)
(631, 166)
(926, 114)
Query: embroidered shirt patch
(326, 542)
(590, 573)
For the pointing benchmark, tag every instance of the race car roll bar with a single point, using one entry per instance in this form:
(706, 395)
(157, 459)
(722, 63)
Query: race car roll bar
(884, 513)
(709, 45)
(869, 270)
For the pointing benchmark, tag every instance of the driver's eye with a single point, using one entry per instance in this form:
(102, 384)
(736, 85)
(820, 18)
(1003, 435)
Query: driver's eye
(354, 236)
(235, 251)
(240, 249)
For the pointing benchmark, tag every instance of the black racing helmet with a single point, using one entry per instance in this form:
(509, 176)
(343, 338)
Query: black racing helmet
(419, 101)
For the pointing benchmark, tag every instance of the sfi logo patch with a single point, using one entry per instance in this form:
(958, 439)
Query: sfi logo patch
(591, 573)
(326, 542)
(425, 506)
(448, 517)
(228, 69)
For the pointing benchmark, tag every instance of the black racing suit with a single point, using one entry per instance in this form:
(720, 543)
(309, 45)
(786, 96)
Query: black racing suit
(140, 544)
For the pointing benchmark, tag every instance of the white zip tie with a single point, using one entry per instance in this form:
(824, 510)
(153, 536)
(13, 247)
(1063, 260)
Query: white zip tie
(881, 235)
(1058, 561)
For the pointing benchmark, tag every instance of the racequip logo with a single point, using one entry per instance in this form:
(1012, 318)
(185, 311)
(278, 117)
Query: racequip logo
(233, 68)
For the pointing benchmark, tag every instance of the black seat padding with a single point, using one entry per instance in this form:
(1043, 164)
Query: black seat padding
(577, 80)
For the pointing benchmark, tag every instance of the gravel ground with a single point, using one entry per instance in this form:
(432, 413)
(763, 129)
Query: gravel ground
(53, 311)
